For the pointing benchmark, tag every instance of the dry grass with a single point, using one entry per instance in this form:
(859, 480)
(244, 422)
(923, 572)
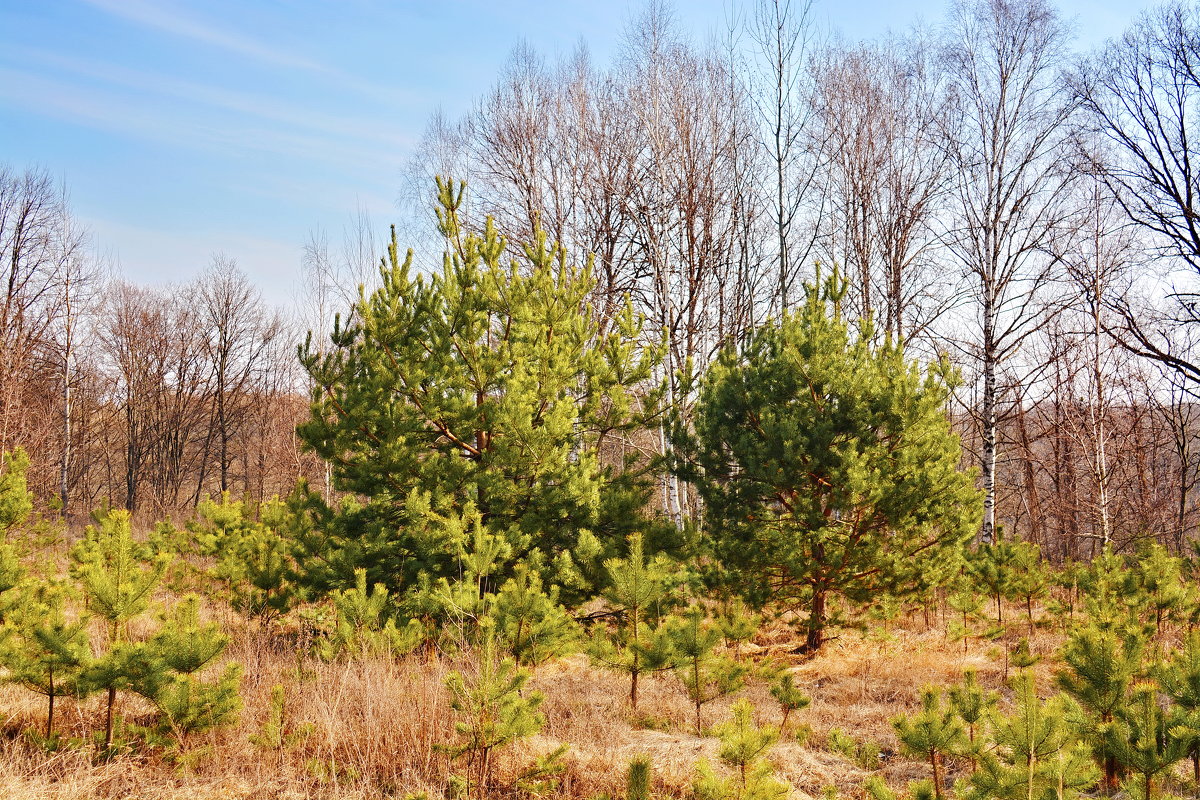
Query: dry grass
(375, 726)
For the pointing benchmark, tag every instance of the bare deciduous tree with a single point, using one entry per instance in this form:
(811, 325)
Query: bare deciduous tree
(1141, 98)
(1005, 143)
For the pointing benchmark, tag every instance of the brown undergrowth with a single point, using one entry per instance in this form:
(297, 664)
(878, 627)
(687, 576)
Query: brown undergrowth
(373, 728)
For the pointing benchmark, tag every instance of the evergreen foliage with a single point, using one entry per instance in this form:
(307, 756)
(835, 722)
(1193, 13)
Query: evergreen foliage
(1157, 580)
(931, 734)
(1034, 753)
(192, 705)
(1100, 666)
(118, 576)
(789, 696)
(1180, 679)
(637, 778)
(704, 673)
(365, 625)
(184, 644)
(16, 502)
(1140, 737)
(254, 558)
(744, 747)
(488, 384)
(999, 568)
(827, 465)
(492, 712)
(48, 649)
(529, 623)
(972, 703)
(636, 589)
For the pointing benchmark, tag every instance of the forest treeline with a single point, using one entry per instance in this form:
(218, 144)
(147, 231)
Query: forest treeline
(987, 192)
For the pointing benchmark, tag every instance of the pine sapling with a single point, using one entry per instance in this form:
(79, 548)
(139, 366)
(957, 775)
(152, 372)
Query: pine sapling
(1141, 738)
(254, 559)
(931, 734)
(637, 778)
(365, 624)
(1158, 578)
(1100, 664)
(118, 576)
(185, 647)
(1035, 753)
(636, 586)
(744, 747)
(705, 675)
(529, 623)
(276, 733)
(737, 623)
(972, 703)
(492, 713)
(789, 696)
(49, 648)
(1180, 678)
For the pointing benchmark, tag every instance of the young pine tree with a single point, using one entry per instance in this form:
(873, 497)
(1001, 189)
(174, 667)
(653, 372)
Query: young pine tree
(118, 576)
(931, 734)
(49, 647)
(826, 463)
(492, 713)
(191, 705)
(1031, 581)
(636, 588)
(1034, 753)
(637, 778)
(1099, 666)
(1157, 578)
(488, 382)
(789, 696)
(995, 567)
(1110, 596)
(744, 747)
(529, 623)
(972, 703)
(1141, 737)
(1180, 679)
(483, 556)
(737, 623)
(16, 504)
(185, 647)
(365, 625)
(705, 674)
(254, 559)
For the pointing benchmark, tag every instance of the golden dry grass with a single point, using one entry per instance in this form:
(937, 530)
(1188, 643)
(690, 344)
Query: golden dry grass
(375, 726)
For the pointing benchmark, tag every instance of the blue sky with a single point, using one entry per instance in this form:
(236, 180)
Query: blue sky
(183, 128)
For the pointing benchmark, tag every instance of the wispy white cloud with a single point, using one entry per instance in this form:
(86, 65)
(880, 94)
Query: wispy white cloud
(172, 20)
(242, 103)
(163, 18)
(247, 132)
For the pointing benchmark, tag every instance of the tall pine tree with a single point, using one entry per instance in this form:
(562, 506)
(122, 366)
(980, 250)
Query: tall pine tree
(827, 464)
(490, 383)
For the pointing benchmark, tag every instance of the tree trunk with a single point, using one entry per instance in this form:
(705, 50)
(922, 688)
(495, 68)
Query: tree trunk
(816, 622)
(988, 533)
(108, 718)
(50, 712)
